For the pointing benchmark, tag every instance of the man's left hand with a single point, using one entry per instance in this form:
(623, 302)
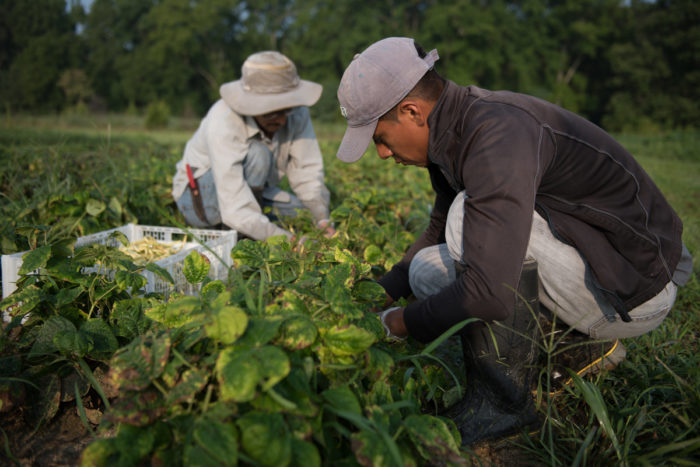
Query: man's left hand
(393, 322)
(326, 227)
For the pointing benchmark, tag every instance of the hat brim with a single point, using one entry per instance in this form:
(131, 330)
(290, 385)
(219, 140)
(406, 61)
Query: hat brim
(249, 103)
(355, 142)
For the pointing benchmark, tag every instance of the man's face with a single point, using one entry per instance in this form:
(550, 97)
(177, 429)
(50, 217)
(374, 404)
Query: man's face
(269, 123)
(403, 140)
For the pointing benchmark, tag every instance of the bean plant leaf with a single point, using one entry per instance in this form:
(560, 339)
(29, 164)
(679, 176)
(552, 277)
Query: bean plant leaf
(44, 340)
(135, 365)
(128, 317)
(214, 444)
(67, 295)
(369, 449)
(101, 337)
(274, 365)
(298, 332)
(119, 235)
(212, 289)
(240, 371)
(304, 454)
(115, 206)
(196, 267)
(348, 340)
(98, 452)
(160, 272)
(261, 330)
(369, 291)
(342, 398)
(95, 207)
(227, 324)
(22, 300)
(251, 253)
(372, 254)
(433, 438)
(190, 383)
(380, 365)
(265, 438)
(127, 279)
(238, 374)
(35, 259)
(180, 311)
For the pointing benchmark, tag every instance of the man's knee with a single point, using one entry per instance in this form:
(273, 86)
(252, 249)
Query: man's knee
(431, 270)
(257, 164)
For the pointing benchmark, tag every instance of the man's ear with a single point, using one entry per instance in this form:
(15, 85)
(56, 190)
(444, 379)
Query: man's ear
(411, 109)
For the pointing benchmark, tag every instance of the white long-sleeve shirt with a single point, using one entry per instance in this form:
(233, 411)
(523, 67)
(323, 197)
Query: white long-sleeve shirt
(221, 143)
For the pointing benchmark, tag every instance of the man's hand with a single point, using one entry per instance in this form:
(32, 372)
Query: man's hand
(393, 322)
(326, 227)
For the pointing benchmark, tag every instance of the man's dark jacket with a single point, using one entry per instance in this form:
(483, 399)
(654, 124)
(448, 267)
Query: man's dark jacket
(514, 153)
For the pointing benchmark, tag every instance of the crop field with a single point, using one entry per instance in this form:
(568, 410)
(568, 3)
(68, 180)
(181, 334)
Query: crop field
(281, 363)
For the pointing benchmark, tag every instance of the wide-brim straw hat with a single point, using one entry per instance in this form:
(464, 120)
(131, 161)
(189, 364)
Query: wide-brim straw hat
(269, 82)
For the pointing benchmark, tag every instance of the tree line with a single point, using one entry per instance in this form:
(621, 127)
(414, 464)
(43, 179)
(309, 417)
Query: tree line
(625, 64)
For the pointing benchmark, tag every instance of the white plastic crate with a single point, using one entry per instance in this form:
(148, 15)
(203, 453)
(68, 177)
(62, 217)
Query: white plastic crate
(220, 242)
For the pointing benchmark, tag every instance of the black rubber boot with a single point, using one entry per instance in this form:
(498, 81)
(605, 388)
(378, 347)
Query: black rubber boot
(499, 360)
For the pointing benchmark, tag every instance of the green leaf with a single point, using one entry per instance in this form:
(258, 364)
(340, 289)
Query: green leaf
(23, 300)
(127, 279)
(67, 295)
(304, 454)
(369, 449)
(44, 340)
(380, 365)
(261, 330)
(135, 365)
(265, 438)
(342, 398)
(66, 342)
(129, 317)
(433, 438)
(35, 259)
(369, 291)
(100, 335)
(160, 272)
(227, 324)
(94, 207)
(348, 340)
(298, 332)
(213, 444)
(240, 371)
(119, 236)
(196, 267)
(238, 374)
(274, 365)
(251, 253)
(372, 254)
(115, 206)
(98, 452)
(181, 311)
(190, 383)
(212, 289)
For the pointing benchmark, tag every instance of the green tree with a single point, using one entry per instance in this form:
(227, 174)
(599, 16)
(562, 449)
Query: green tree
(39, 42)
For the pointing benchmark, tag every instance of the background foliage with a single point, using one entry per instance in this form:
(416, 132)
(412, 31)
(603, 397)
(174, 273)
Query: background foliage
(624, 64)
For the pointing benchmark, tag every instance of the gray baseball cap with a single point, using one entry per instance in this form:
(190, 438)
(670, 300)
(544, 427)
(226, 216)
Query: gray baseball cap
(374, 82)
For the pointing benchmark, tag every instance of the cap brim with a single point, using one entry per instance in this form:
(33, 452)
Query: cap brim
(355, 142)
(248, 103)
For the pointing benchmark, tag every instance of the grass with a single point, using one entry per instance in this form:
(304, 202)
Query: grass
(645, 412)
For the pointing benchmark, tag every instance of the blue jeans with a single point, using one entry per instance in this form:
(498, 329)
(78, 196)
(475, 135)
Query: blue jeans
(566, 283)
(256, 169)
